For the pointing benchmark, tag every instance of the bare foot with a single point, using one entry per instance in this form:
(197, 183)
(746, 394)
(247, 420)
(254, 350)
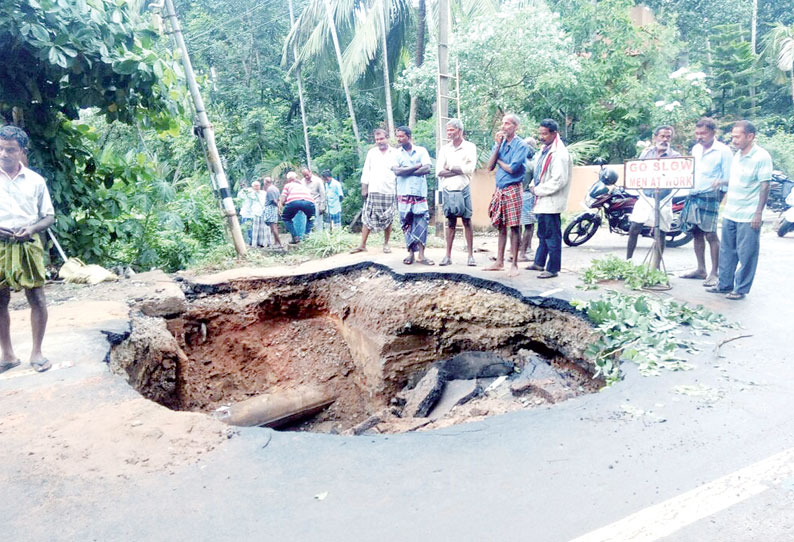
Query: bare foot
(495, 267)
(513, 271)
(696, 274)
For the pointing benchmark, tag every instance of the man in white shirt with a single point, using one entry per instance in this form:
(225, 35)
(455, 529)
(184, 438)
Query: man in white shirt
(317, 187)
(454, 168)
(25, 211)
(378, 190)
(712, 172)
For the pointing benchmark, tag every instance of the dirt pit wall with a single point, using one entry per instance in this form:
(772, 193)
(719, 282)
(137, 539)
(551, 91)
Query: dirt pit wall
(364, 336)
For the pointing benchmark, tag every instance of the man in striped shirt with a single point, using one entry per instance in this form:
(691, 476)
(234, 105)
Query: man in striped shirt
(748, 188)
(296, 198)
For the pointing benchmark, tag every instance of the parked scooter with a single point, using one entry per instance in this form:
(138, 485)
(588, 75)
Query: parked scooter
(615, 204)
(787, 220)
(779, 189)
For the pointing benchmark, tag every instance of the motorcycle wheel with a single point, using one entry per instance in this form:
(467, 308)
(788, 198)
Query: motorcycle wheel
(581, 229)
(677, 238)
(785, 227)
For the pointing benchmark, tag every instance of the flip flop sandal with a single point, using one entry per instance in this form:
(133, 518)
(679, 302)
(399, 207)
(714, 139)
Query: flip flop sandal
(41, 365)
(445, 261)
(471, 262)
(547, 275)
(357, 250)
(426, 261)
(409, 260)
(735, 296)
(717, 290)
(9, 365)
(710, 283)
(386, 249)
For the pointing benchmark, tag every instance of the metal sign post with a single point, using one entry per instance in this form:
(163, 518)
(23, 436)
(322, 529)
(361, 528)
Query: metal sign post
(659, 174)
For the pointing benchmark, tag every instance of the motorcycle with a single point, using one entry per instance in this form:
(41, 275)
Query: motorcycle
(779, 189)
(787, 220)
(615, 204)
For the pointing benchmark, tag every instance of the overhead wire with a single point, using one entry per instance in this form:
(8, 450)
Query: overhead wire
(263, 3)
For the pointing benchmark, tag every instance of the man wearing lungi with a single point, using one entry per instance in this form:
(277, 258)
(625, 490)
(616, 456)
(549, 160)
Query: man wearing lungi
(25, 211)
(413, 164)
(377, 189)
(553, 171)
(644, 212)
(507, 157)
(712, 171)
(454, 167)
(256, 208)
(528, 217)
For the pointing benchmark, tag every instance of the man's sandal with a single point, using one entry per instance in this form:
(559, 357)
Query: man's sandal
(41, 365)
(7, 365)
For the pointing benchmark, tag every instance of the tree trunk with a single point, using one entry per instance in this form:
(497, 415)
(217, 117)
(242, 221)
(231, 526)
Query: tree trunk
(386, 82)
(335, 39)
(792, 87)
(421, 16)
(754, 25)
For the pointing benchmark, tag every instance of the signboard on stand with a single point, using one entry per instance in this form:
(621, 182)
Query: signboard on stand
(662, 173)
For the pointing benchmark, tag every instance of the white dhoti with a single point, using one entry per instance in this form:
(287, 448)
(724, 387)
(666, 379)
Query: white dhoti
(644, 213)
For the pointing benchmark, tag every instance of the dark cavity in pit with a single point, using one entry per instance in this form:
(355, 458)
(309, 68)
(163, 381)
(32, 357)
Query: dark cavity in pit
(358, 350)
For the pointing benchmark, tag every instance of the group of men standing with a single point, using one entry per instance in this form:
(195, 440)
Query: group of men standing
(742, 176)
(319, 199)
(532, 187)
(397, 178)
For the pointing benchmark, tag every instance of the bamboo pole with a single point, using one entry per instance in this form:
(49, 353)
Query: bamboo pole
(206, 132)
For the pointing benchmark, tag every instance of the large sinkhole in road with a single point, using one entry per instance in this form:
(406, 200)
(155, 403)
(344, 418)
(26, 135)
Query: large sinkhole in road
(359, 350)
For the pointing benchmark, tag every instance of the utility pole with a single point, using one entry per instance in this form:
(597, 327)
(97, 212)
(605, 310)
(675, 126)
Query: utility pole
(207, 134)
(442, 97)
(300, 93)
(442, 87)
(389, 116)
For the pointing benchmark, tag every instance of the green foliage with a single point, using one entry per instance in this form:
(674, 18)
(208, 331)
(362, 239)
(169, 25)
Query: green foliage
(634, 276)
(327, 243)
(522, 70)
(66, 56)
(733, 73)
(780, 146)
(645, 330)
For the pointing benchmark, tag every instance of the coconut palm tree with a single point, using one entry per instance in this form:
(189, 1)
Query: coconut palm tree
(317, 24)
(779, 49)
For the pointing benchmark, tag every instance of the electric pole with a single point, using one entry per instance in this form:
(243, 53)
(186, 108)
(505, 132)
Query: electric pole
(300, 93)
(442, 97)
(207, 134)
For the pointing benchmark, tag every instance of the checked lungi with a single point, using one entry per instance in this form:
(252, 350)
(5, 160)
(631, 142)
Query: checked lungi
(22, 264)
(701, 210)
(414, 220)
(270, 214)
(259, 232)
(378, 211)
(505, 208)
